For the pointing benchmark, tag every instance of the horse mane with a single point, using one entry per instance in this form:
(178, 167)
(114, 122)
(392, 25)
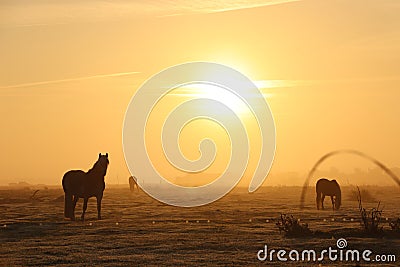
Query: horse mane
(98, 170)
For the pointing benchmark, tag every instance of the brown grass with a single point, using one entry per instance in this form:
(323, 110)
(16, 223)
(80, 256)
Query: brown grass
(225, 233)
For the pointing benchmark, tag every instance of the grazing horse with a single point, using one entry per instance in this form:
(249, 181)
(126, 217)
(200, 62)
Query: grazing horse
(331, 188)
(79, 184)
(133, 183)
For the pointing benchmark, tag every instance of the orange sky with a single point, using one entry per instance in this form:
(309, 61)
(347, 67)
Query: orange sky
(68, 71)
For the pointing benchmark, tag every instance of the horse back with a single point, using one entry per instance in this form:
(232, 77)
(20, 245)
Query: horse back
(327, 187)
(82, 184)
(73, 180)
(321, 183)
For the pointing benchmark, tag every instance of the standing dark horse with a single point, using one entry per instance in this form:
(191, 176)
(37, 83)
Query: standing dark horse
(133, 183)
(331, 188)
(79, 184)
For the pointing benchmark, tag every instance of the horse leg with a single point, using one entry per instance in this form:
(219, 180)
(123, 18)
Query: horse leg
(322, 201)
(85, 201)
(333, 203)
(99, 206)
(318, 200)
(76, 198)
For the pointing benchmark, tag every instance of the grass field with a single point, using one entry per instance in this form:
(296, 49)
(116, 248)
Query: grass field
(137, 230)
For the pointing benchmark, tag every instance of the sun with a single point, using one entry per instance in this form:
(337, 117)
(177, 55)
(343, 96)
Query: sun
(214, 92)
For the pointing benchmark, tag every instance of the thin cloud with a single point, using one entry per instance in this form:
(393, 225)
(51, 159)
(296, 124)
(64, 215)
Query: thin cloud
(28, 13)
(250, 5)
(171, 15)
(69, 80)
(269, 84)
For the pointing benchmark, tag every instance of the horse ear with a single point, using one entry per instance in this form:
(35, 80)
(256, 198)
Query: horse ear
(107, 155)
(99, 155)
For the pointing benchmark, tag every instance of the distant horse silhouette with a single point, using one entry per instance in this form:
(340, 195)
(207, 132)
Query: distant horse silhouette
(331, 188)
(310, 175)
(133, 183)
(79, 184)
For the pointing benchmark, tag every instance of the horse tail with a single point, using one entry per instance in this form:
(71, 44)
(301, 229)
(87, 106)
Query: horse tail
(131, 186)
(318, 199)
(318, 190)
(133, 183)
(68, 205)
(338, 201)
(68, 196)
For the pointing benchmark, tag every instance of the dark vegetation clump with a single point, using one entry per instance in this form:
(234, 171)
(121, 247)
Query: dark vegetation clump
(365, 194)
(395, 225)
(292, 227)
(370, 219)
(371, 222)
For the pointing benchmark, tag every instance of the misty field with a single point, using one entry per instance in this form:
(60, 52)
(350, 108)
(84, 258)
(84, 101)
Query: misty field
(137, 230)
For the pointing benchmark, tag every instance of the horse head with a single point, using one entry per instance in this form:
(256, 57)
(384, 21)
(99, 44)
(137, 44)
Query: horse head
(338, 202)
(103, 162)
(103, 159)
(338, 194)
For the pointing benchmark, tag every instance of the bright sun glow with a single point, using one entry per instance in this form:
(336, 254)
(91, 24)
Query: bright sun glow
(214, 92)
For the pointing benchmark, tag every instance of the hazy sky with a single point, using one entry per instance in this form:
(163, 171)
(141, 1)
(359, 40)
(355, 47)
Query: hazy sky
(69, 68)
